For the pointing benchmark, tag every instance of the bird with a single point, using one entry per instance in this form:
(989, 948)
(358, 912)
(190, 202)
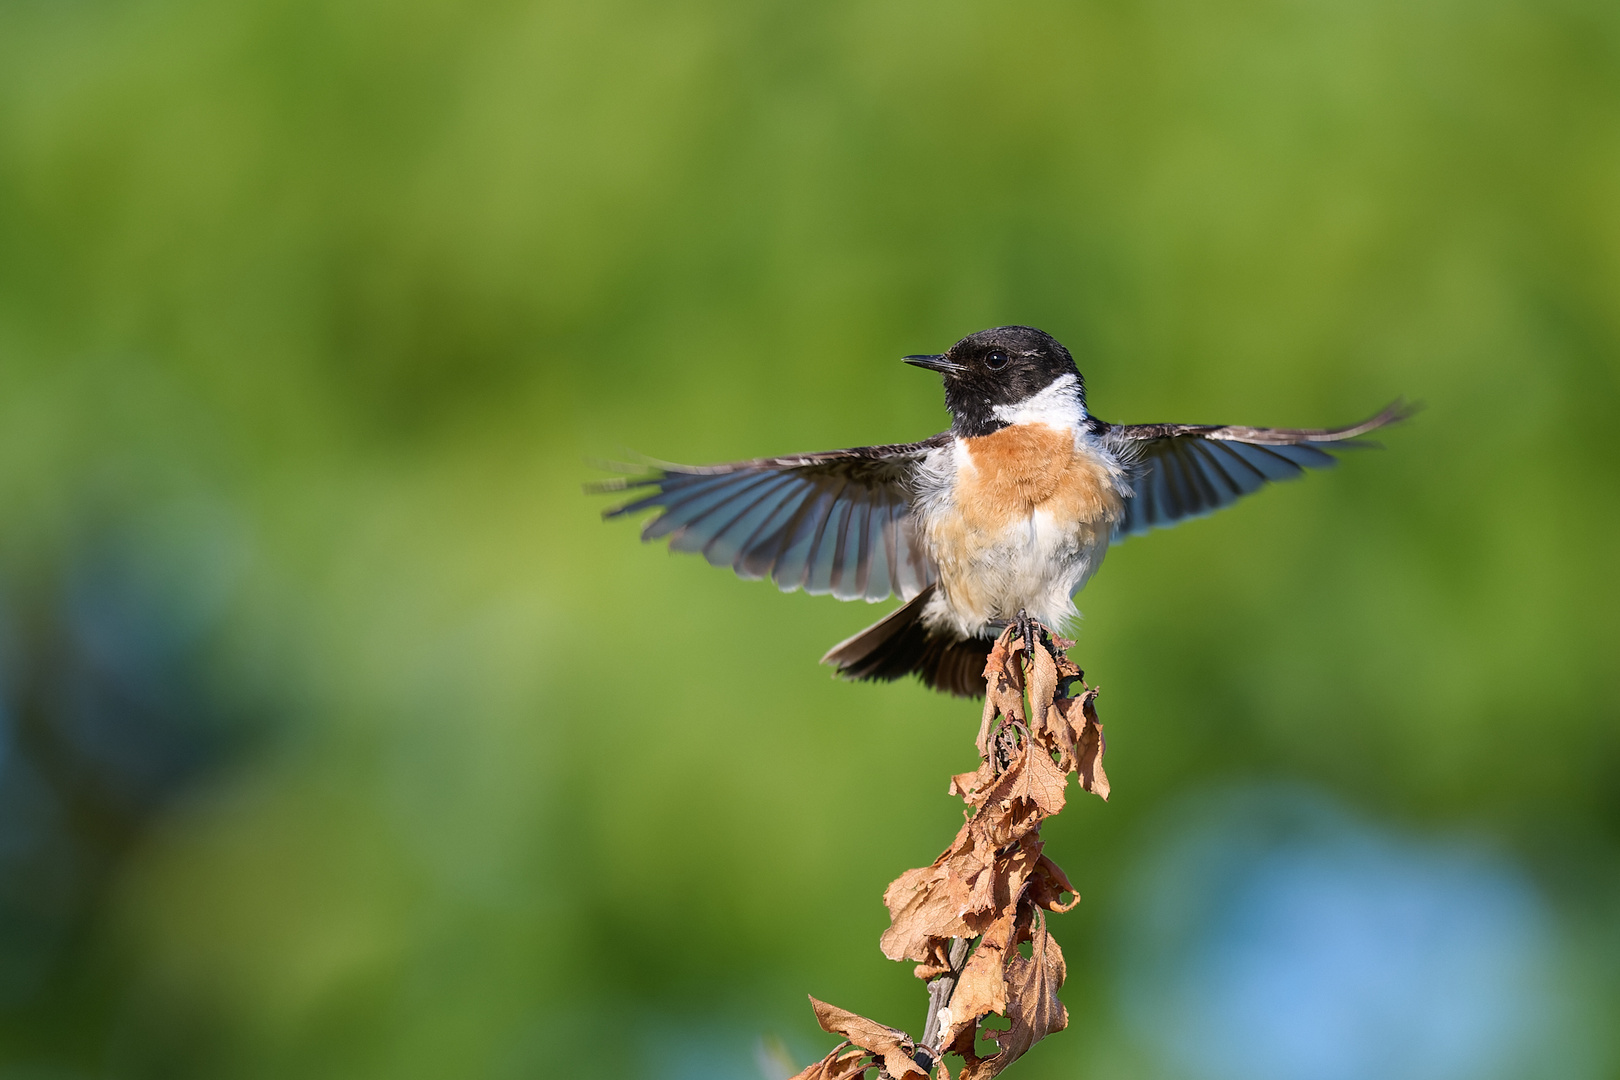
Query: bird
(998, 521)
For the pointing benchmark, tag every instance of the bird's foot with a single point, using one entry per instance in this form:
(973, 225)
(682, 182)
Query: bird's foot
(1029, 630)
(1033, 632)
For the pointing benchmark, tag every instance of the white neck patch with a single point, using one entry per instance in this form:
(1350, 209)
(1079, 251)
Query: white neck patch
(1057, 406)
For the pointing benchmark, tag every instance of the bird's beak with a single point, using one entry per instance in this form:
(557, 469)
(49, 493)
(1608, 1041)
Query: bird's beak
(934, 362)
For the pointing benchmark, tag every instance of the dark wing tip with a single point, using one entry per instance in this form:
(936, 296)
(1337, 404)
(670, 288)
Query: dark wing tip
(1342, 438)
(1400, 410)
(606, 487)
(1396, 412)
(638, 477)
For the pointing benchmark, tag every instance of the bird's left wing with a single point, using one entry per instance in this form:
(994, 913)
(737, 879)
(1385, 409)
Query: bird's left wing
(1181, 471)
(837, 522)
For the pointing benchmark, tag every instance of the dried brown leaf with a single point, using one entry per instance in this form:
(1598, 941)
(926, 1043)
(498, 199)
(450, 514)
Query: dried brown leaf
(1032, 988)
(1003, 686)
(973, 878)
(1033, 1007)
(982, 989)
(1013, 804)
(894, 1046)
(1067, 668)
(963, 1047)
(968, 785)
(1040, 780)
(938, 961)
(1091, 774)
(926, 905)
(1080, 716)
(1048, 884)
(980, 875)
(986, 723)
(996, 890)
(1055, 736)
(1043, 684)
(841, 1064)
(980, 882)
(921, 915)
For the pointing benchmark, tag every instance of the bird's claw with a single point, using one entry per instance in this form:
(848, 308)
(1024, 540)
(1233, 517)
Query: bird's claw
(1033, 633)
(1027, 630)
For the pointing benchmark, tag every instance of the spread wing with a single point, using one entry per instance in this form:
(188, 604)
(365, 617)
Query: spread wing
(1181, 471)
(837, 522)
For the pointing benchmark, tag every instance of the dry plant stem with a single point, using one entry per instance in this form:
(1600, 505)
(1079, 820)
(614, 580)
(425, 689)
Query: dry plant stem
(939, 995)
(963, 918)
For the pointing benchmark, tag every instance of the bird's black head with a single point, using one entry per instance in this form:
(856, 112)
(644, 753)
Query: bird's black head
(990, 374)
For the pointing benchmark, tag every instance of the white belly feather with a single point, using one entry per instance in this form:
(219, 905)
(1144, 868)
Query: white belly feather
(1016, 521)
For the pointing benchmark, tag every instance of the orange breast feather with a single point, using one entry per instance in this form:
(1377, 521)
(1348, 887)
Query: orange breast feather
(1028, 467)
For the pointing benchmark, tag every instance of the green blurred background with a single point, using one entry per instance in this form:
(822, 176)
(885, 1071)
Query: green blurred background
(340, 738)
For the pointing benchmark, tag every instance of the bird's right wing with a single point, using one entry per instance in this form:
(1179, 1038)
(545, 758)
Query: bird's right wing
(1181, 471)
(838, 522)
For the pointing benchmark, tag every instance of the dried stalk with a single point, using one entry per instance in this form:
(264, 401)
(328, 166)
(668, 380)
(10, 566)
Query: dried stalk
(939, 995)
(963, 917)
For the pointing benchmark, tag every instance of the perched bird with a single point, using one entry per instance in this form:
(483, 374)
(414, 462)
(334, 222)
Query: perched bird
(1000, 520)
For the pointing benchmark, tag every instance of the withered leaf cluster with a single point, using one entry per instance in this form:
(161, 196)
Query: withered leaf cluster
(992, 887)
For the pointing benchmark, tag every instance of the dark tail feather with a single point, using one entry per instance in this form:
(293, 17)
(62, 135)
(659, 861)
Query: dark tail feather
(899, 644)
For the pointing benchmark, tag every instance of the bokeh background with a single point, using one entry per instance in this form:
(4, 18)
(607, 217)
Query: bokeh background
(340, 738)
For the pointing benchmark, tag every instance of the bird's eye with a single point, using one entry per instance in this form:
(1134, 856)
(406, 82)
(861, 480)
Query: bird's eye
(995, 360)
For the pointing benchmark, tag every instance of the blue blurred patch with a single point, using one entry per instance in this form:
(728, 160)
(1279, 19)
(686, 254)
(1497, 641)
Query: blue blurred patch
(1272, 936)
(108, 711)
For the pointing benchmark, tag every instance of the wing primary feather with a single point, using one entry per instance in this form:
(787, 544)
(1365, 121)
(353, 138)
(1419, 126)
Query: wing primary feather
(730, 537)
(1220, 481)
(1147, 495)
(665, 495)
(693, 506)
(1189, 500)
(818, 575)
(1192, 461)
(1305, 455)
(1158, 508)
(1264, 461)
(792, 568)
(1173, 486)
(703, 518)
(760, 551)
(908, 574)
(1247, 478)
(884, 579)
(846, 559)
(861, 527)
